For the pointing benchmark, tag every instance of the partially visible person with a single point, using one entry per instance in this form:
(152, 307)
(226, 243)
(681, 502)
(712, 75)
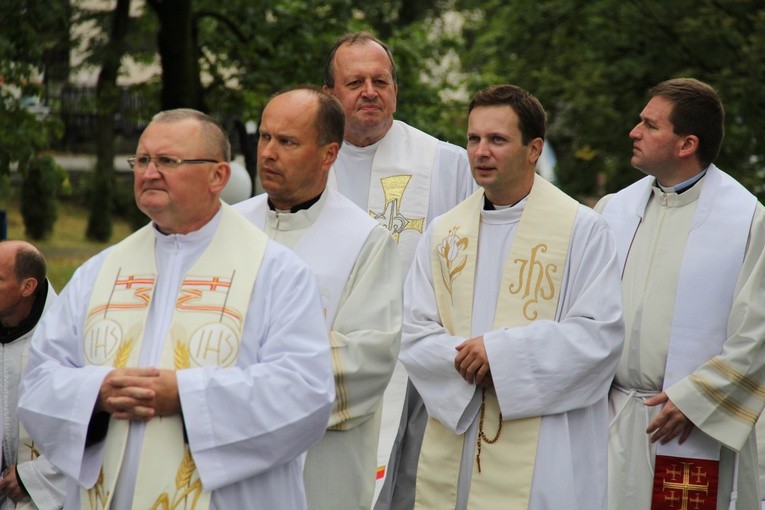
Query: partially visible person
(404, 178)
(513, 329)
(28, 479)
(187, 366)
(760, 433)
(689, 386)
(354, 259)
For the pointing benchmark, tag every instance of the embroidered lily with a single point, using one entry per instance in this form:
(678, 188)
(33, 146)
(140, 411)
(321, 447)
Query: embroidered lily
(450, 250)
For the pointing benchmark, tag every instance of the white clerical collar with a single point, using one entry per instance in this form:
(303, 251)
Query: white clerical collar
(203, 234)
(683, 186)
(299, 219)
(505, 213)
(361, 152)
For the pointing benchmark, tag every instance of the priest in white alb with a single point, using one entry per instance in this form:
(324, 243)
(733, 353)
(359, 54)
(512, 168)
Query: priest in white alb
(404, 178)
(512, 329)
(357, 269)
(689, 387)
(187, 366)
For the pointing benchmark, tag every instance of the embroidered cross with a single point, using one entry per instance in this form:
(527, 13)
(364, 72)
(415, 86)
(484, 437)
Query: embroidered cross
(391, 217)
(690, 492)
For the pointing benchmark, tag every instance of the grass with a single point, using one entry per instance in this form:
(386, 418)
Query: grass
(67, 247)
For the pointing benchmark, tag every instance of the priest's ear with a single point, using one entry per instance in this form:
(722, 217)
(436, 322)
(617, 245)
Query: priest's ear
(535, 150)
(330, 155)
(219, 175)
(28, 286)
(689, 146)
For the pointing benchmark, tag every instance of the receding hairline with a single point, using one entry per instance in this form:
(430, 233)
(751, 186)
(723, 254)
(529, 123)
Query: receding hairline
(352, 39)
(213, 133)
(27, 260)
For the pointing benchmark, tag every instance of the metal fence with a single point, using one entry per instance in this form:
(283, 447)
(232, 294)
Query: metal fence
(78, 114)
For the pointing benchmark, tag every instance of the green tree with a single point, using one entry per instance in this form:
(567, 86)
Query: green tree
(247, 51)
(29, 32)
(592, 63)
(39, 191)
(107, 103)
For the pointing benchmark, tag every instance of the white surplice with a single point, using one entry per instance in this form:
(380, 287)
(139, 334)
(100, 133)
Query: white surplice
(450, 183)
(650, 282)
(365, 334)
(43, 482)
(247, 425)
(559, 370)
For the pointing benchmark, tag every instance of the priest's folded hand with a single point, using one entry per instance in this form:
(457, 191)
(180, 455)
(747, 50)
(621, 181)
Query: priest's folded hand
(472, 362)
(10, 486)
(139, 394)
(128, 394)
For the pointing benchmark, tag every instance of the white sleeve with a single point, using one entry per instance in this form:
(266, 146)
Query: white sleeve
(58, 393)
(366, 332)
(45, 484)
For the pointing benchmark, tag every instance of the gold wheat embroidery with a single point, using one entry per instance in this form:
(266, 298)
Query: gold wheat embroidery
(123, 353)
(97, 497)
(451, 250)
(182, 355)
(33, 451)
(184, 487)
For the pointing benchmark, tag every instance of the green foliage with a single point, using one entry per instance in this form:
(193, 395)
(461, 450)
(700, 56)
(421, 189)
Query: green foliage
(592, 63)
(27, 31)
(252, 50)
(125, 206)
(42, 180)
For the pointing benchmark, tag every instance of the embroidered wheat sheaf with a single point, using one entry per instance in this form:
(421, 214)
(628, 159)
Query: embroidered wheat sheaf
(182, 355)
(97, 497)
(123, 353)
(185, 488)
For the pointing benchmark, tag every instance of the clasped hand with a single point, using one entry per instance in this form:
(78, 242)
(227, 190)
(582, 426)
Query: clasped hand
(139, 394)
(10, 486)
(472, 362)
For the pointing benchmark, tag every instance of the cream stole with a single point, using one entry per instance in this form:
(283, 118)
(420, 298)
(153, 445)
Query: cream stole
(711, 264)
(531, 290)
(205, 331)
(399, 187)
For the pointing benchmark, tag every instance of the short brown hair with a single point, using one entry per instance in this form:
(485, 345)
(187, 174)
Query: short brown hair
(349, 39)
(696, 110)
(532, 118)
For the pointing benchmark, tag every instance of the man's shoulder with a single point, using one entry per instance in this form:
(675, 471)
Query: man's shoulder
(442, 145)
(249, 206)
(341, 210)
(410, 130)
(587, 216)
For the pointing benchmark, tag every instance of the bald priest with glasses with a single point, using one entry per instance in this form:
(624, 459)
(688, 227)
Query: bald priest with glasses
(189, 364)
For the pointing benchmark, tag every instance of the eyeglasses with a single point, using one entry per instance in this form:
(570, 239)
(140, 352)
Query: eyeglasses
(163, 162)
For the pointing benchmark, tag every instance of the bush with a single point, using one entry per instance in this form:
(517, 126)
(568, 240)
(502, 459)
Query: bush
(39, 188)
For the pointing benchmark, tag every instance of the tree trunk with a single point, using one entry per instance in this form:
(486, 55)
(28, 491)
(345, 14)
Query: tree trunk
(181, 84)
(107, 104)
